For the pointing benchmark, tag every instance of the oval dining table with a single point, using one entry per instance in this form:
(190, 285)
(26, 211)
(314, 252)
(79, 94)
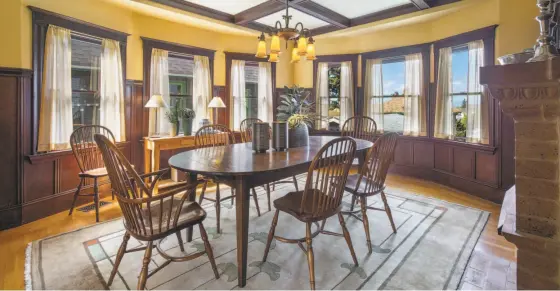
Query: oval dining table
(239, 167)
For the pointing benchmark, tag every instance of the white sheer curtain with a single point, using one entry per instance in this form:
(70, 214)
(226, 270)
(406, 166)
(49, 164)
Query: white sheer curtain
(444, 115)
(374, 87)
(477, 105)
(414, 116)
(55, 118)
(159, 84)
(111, 109)
(237, 92)
(265, 97)
(346, 92)
(202, 90)
(322, 96)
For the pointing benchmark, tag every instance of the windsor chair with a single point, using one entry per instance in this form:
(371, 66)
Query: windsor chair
(151, 218)
(320, 200)
(370, 181)
(89, 160)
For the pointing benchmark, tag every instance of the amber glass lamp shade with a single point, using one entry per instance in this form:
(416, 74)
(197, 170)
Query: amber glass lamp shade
(275, 44)
(311, 55)
(302, 46)
(295, 55)
(273, 58)
(261, 48)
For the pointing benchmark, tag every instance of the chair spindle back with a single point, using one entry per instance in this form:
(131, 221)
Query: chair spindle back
(84, 148)
(246, 128)
(213, 135)
(327, 175)
(378, 160)
(145, 215)
(361, 127)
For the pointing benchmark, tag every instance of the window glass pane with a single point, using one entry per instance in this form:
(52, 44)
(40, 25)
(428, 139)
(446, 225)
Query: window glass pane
(459, 69)
(180, 82)
(85, 82)
(252, 91)
(460, 115)
(334, 97)
(393, 99)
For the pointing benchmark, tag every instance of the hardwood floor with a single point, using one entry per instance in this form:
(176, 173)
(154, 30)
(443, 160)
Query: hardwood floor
(485, 271)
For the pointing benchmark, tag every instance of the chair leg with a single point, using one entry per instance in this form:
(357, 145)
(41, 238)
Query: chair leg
(112, 194)
(353, 203)
(366, 223)
(208, 249)
(96, 198)
(217, 206)
(118, 259)
(232, 195)
(145, 262)
(388, 211)
(295, 183)
(256, 201)
(310, 259)
(76, 196)
(268, 195)
(201, 197)
(180, 240)
(271, 234)
(347, 237)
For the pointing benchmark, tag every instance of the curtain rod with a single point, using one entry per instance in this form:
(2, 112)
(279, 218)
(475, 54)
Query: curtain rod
(86, 36)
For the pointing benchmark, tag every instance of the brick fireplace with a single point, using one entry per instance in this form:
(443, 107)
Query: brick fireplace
(530, 93)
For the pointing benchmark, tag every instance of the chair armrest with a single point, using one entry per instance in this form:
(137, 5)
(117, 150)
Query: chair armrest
(157, 174)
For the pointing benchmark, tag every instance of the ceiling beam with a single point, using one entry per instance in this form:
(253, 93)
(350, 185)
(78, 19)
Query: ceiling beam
(420, 4)
(259, 11)
(258, 26)
(198, 9)
(385, 14)
(321, 12)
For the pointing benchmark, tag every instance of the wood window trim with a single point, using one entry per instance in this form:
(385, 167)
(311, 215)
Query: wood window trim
(488, 36)
(353, 58)
(147, 45)
(41, 19)
(230, 56)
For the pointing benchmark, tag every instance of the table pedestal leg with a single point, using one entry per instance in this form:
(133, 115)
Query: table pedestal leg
(191, 178)
(242, 225)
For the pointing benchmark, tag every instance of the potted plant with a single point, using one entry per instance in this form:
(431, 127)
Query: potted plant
(187, 116)
(172, 116)
(297, 111)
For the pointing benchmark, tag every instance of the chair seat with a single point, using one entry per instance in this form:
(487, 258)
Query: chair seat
(189, 214)
(95, 173)
(291, 204)
(352, 181)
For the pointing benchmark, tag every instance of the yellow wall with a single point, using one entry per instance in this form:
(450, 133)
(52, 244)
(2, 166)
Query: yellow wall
(15, 25)
(517, 30)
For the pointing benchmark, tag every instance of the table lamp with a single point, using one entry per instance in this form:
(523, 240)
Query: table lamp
(216, 103)
(156, 101)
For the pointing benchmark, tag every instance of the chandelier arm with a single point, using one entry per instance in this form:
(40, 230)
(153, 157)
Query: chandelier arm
(302, 31)
(278, 25)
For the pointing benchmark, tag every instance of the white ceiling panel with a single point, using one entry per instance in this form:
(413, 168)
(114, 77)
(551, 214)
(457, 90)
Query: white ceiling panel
(308, 21)
(356, 8)
(228, 6)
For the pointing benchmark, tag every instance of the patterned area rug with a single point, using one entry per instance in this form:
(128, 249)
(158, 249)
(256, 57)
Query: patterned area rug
(429, 251)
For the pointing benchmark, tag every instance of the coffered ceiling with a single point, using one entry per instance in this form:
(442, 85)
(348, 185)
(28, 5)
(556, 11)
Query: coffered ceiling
(319, 16)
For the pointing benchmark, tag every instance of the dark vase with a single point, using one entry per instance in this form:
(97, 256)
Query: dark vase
(298, 136)
(187, 126)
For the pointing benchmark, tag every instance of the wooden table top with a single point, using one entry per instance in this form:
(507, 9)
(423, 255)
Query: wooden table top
(239, 159)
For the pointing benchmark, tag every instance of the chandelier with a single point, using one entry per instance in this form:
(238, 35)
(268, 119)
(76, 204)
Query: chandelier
(304, 48)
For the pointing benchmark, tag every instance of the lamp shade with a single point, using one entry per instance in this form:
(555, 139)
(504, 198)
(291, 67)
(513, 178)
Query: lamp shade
(216, 102)
(295, 55)
(302, 46)
(156, 101)
(275, 44)
(273, 58)
(311, 50)
(261, 48)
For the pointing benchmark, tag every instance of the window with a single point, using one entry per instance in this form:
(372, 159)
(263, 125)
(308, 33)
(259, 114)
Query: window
(334, 97)
(393, 94)
(251, 90)
(459, 92)
(86, 54)
(180, 82)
